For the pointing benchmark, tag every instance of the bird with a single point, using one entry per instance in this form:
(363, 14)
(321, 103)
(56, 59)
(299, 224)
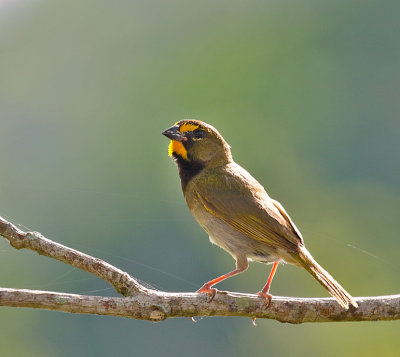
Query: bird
(236, 212)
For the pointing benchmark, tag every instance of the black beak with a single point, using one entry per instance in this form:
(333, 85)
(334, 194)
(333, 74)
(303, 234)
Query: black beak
(173, 133)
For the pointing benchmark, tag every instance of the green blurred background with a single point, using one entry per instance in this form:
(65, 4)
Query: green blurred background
(307, 94)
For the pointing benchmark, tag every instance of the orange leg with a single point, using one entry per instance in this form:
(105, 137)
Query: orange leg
(241, 265)
(207, 287)
(265, 291)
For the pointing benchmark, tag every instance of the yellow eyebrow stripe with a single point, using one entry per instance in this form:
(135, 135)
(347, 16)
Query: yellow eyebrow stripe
(188, 127)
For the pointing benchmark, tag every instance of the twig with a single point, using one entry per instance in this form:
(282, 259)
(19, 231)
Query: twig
(153, 305)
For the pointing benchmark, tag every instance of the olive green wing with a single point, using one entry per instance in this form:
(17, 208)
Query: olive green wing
(246, 207)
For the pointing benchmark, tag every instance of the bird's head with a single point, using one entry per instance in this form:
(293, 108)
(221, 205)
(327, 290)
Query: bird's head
(197, 142)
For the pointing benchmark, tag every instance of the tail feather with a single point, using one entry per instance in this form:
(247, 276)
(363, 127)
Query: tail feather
(325, 279)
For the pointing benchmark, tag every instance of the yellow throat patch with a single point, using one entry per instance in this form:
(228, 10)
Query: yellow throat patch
(177, 148)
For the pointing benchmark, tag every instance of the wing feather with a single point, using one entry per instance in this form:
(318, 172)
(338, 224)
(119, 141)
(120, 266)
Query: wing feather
(249, 210)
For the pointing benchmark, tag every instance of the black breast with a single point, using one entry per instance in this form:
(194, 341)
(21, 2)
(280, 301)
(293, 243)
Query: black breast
(187, 169)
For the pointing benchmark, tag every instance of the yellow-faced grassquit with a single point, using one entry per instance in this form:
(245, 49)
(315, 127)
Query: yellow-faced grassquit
(236, 211)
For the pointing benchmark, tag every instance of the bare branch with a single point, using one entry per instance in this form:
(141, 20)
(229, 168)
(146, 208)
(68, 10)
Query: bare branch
(158, 306)
(121, 281)
(153, 305)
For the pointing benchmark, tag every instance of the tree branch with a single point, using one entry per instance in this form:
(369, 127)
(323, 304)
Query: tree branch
(149, 304)
(121, 281)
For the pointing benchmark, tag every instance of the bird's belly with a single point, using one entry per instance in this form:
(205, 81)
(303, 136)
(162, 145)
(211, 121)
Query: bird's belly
(237, 243)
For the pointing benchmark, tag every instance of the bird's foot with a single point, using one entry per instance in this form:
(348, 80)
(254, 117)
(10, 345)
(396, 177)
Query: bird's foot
(208, 290)
(267, 297)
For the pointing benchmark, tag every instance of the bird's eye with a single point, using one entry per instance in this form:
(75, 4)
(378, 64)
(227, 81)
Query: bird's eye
(198, 134)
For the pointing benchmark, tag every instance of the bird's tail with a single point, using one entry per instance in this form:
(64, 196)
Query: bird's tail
(325, 279)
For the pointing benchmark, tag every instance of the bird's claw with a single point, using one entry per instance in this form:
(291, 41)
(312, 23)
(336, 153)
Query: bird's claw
(207, 290)
(267, 297)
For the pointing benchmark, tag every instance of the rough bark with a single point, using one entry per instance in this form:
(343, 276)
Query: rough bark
(148, 304)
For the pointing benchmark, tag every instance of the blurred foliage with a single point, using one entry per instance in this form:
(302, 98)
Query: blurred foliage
(307, 94)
